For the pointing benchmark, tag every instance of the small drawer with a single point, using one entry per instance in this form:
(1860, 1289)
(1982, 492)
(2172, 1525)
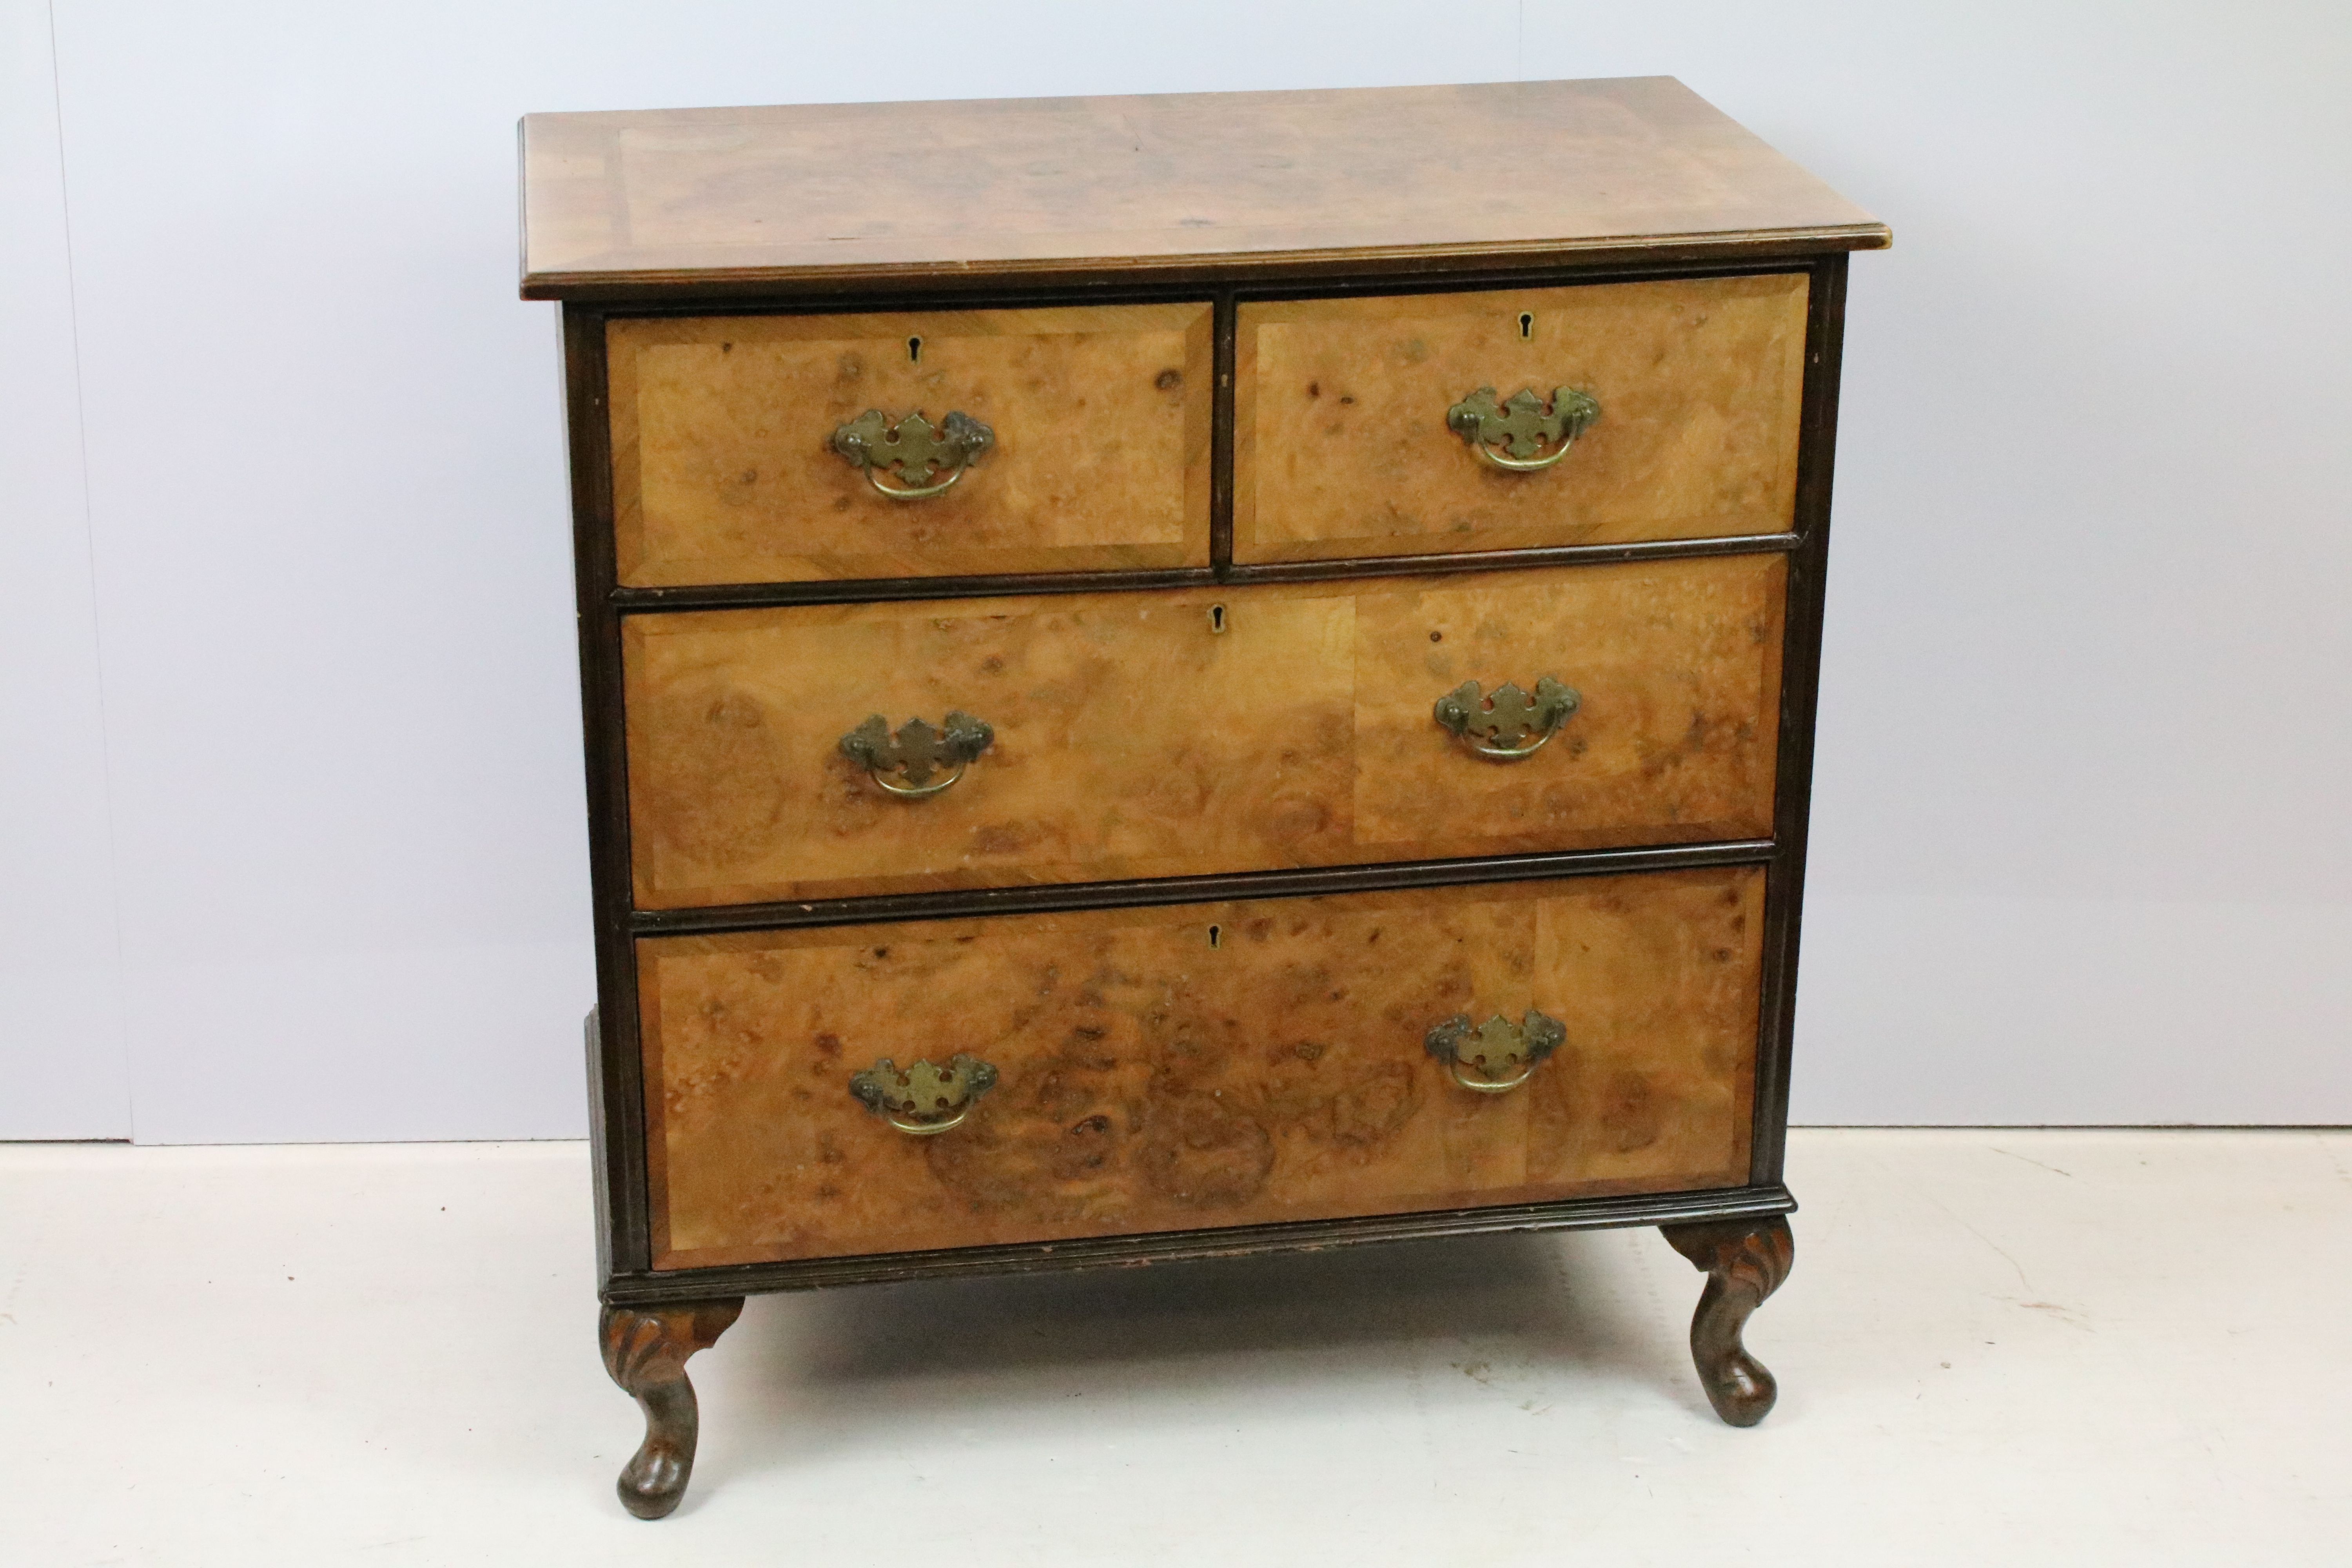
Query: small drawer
(1199, 1066)
(1359, 429)
(1200, 730)
(727, 467)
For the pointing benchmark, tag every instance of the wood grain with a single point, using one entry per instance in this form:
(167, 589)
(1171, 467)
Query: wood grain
(1678, 664)
(920, 195)
(723, 471)
(1132, 740)
(1152, 1081)
(1341, 447)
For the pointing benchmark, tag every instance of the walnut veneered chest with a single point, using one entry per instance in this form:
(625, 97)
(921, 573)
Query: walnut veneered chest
(1167, 675)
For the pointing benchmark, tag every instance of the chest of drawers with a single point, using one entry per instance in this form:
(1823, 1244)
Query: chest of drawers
(1175, 675)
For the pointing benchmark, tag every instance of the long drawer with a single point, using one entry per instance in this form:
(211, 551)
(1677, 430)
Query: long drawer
(1198, 732)
(1197, 1065)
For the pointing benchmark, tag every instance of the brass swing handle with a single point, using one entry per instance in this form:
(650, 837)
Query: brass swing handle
(916, 752)
(924, 1099)
(912, 450)
(1510, 724)
(1522, 426)
(1496, 1056)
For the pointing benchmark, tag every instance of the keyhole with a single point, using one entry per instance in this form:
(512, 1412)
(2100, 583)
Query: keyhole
(915, 348)
(1216, 619)
(1216, 936)
(1527, 325)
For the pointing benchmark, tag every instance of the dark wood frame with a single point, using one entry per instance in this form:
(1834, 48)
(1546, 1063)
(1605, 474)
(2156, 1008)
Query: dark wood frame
(616, 1078)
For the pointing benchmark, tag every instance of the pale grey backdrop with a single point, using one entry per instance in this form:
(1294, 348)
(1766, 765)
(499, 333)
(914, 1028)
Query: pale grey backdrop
(290, 795)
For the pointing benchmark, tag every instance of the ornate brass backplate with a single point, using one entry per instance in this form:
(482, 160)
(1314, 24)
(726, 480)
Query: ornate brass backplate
(924, 1099)
(1522, 426)
(916, 754)
(912, 450)
(1497, 1055)
(1510, 724)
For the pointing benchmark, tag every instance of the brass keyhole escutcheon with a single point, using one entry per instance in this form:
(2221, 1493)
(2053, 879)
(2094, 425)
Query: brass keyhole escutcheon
(1216, 620)
(1527, 325)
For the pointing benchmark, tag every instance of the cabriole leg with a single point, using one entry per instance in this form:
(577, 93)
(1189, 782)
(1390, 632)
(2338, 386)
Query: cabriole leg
(644, 1351)
(1745, 1261)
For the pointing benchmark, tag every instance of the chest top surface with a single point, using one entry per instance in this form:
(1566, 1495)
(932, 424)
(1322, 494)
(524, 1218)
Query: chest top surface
(1179, 187)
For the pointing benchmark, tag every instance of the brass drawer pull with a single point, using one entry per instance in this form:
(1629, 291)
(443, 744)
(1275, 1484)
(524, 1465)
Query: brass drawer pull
(916, 752)
(1510, 724)
(1523, 424)
(924, 1099)
(1499, 1052)
(911, 445)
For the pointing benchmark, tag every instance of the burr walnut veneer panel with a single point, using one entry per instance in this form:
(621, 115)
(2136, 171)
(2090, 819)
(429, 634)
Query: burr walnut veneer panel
(1133, 739)
(1153, 1079)
(724, 470)
(1341, 446)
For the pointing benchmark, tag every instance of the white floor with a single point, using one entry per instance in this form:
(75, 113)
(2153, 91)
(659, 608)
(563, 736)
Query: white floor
(2067, 1348)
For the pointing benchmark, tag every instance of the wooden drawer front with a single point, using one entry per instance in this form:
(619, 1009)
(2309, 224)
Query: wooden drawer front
(1134, 740)
(724, 470)
(1341, 446)
(1150, 1080)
